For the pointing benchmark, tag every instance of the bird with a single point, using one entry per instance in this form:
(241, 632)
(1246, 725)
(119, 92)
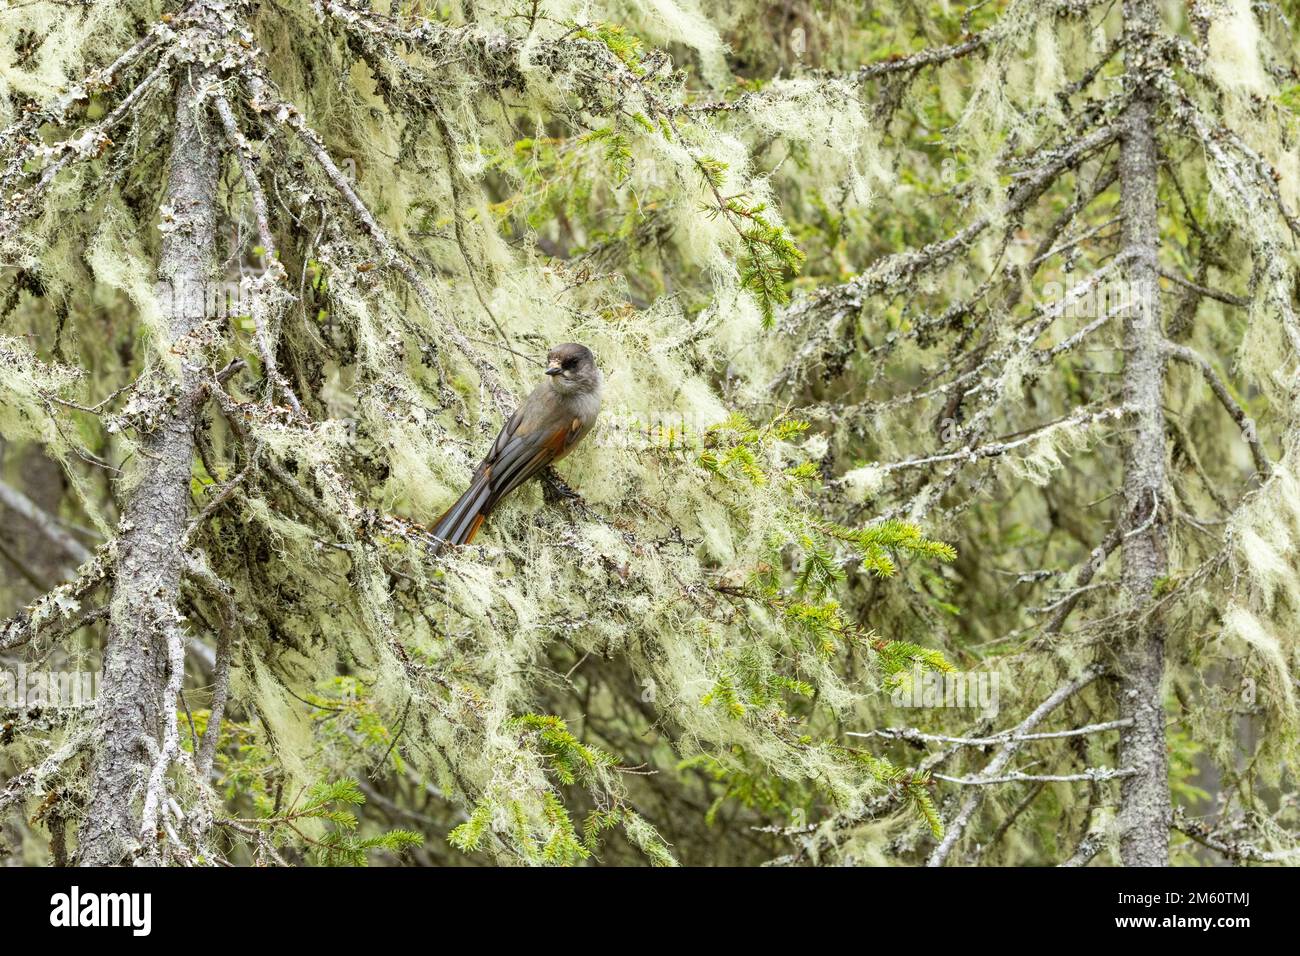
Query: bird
(547, 426)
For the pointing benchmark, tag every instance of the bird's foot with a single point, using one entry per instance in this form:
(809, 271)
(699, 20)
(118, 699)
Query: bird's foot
(555, 489)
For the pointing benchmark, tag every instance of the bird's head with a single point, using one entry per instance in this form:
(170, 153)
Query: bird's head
(572, 369)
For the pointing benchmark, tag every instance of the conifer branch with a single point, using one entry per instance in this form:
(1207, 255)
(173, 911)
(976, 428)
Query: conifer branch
(18, 207)
(155, 793)
(22, 784)
(994, 449)
(1093, 842)
(1224, 297)
(52, 613)
(19, 141)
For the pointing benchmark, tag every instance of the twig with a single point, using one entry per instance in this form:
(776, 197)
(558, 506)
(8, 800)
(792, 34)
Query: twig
(18, 787)
(1215, 294)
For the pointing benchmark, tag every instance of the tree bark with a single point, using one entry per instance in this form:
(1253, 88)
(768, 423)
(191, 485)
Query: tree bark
(1144, 797)
(132, 702)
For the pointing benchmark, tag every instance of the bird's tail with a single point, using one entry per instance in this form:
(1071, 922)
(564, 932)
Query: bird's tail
(461, 521)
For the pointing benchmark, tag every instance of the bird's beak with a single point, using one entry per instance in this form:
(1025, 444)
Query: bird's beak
(554, 369)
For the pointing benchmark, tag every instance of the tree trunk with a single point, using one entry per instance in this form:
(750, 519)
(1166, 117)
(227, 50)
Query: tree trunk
(150, 561)
(1144, 797)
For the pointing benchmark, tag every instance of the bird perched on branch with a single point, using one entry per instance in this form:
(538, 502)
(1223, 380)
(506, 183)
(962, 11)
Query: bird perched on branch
(545, 428)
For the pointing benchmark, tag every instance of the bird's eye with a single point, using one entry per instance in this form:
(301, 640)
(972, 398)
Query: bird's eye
(569, 363)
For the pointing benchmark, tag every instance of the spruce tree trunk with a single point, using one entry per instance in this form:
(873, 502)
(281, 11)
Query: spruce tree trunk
(1144, 797)
(150, 559)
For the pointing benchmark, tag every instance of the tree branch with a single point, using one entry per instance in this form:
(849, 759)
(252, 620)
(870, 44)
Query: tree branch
(1092, 774)
(1232, 847)
(1003, 757)
(912, 734)
(43, 522)
(1238, 414)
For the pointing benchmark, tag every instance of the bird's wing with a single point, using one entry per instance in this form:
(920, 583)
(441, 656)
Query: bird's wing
(523, 455)
(528, 442)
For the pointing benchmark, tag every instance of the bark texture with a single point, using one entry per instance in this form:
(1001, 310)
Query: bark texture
(150, 559)
(1144, 796)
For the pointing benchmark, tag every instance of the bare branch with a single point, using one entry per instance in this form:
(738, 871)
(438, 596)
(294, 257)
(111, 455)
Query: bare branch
(1216, 295)
(997, 448)
(1091, 775)
(1232, 847)
(909, 733)
(267, 101)
(270, 294)
(1092, 844)
(156, 788)
(1003, 757)
(21, 785)
(1238, 414)
(43, 522)
(52, 613)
